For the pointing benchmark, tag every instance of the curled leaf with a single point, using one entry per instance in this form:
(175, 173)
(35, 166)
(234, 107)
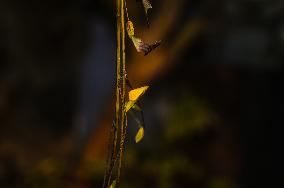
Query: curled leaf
(130, 29)
(144, 47)
(147, 5)
(152, 47)
(138, 43)
(139, 135)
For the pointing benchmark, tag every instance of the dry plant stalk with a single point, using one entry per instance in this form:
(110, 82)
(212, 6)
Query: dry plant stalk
(119, 127)
(118, 133)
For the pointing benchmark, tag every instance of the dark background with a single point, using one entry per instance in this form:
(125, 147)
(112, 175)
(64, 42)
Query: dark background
(213, 112)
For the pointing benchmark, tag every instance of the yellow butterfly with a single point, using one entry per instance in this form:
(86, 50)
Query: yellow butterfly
(134, 95)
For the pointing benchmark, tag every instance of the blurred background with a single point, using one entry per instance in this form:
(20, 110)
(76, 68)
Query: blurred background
(213, 112)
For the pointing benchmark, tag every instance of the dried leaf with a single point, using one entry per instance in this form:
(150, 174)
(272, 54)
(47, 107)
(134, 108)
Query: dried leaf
(140, 134)
(138, 43)
(144, 47)
(147, 5)
(130, 29)
(135, 94)
(152, 47)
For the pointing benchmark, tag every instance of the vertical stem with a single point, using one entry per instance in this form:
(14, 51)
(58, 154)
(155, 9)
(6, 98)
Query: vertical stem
(123, 66)
(118, 72)
(113, 160)
(120, 113)
(118, 77)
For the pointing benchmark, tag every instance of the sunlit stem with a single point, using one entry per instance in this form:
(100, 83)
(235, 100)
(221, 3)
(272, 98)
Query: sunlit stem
(120, 124)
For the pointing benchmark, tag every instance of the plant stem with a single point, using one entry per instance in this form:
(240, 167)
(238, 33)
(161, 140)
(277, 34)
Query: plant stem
(123, 112)
(120, 113)
(118, 73)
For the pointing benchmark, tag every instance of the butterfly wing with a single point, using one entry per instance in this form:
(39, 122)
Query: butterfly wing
(135, 94)
(139, 135)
